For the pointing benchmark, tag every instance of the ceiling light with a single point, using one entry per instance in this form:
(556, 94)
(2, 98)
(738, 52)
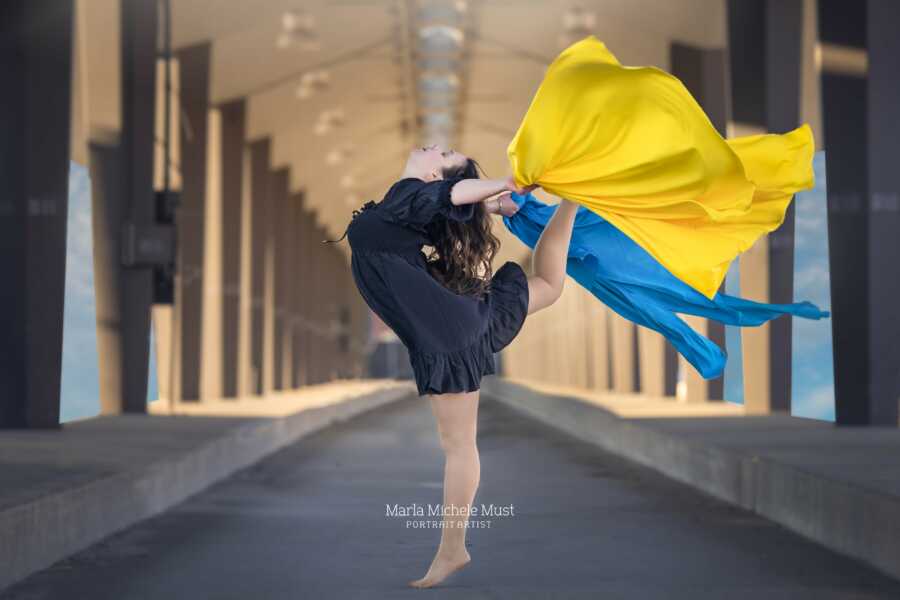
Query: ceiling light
(441, 37)
(328, 120)
(579, 20)
(310, 82)
(348, 181)
(444, 83)
(438, 63)
(317, 79)
(336, 156)
(297, 22)
(441, 120)
(297, 29)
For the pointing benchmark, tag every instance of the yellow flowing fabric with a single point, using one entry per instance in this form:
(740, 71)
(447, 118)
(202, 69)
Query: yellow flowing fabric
(632, 145)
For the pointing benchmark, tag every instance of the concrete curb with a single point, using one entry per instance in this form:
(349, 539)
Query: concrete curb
(37, 534)
(860, 523)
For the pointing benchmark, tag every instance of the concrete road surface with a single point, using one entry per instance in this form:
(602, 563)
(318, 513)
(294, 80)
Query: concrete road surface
(311, 522)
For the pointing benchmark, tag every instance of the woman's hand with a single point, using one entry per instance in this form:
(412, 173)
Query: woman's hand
(507, 206)
(512, 187)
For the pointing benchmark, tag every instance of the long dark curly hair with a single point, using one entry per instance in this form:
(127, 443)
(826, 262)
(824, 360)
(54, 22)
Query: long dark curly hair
(462, 256)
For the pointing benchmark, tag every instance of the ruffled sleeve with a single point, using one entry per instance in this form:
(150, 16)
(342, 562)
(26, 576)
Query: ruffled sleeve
(414, 202)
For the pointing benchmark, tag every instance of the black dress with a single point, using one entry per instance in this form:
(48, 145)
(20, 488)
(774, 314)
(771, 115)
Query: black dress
(451, 338)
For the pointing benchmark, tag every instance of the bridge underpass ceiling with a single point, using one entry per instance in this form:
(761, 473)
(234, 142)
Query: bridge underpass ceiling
(365, 48)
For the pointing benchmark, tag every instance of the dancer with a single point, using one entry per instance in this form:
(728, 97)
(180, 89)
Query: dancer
(447, 307)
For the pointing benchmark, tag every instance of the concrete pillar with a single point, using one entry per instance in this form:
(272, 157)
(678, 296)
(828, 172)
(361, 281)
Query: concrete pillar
(329, 308)
(883, 130)
(658, 364)
(580, 356)
(278, 181)
(163, 315)
(121, 119)
(861, 100)
(259, 219)
(344, 340)
(269, 273)
(194, 64)
(624, 350)
(211, 373)
(597, 334)
(295, 202)
(326, 308)
(333, 308)
(284, 278)
(317, 291)
(304, 278)
(309, 296)
(232, 153)
(35, 108)
(362, 326)
(704, 72)
(765, 91)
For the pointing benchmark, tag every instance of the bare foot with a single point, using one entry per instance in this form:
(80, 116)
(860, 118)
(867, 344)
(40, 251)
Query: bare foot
(440, 568)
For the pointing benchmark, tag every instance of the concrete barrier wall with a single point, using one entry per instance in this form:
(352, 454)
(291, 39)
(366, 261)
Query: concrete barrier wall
(860, 519)
(39, 532)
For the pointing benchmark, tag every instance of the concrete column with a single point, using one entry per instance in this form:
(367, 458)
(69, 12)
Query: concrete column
(246, 377)
(883, 129)
(363, 327)
(658, 364)
(304, 279)
(341, 318)
(704, 71)
(277, 191)
(324, 304)
(344, 340)
(861, 100)
(624, 351)
(296, 282)
(326, 308)
(35, 59)
(269, 274)
(194, 64)
(597, 334)
(122, 120)
(313, 292)
(284, 280)
(765, 90)
(232, 153)
(163, 315)
(332, 311)
(259, 209)
(309, 298)
(579, 355)
(211, 373)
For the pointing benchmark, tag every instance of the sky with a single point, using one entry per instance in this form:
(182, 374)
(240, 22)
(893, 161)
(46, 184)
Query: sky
(80, 387)
(813, 376)
(812, 368)
(812, 381)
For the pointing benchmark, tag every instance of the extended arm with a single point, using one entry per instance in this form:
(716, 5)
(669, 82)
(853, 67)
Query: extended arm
(468, 191)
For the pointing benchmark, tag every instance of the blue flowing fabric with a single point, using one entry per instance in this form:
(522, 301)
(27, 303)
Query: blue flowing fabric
(631, 282)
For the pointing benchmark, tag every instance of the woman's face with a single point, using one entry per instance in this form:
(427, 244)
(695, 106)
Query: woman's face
(428, 162)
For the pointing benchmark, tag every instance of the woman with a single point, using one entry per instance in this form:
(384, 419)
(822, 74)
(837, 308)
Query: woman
(446, 307)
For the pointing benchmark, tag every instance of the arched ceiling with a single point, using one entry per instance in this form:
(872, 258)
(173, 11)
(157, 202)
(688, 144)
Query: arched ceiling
(367, 48)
